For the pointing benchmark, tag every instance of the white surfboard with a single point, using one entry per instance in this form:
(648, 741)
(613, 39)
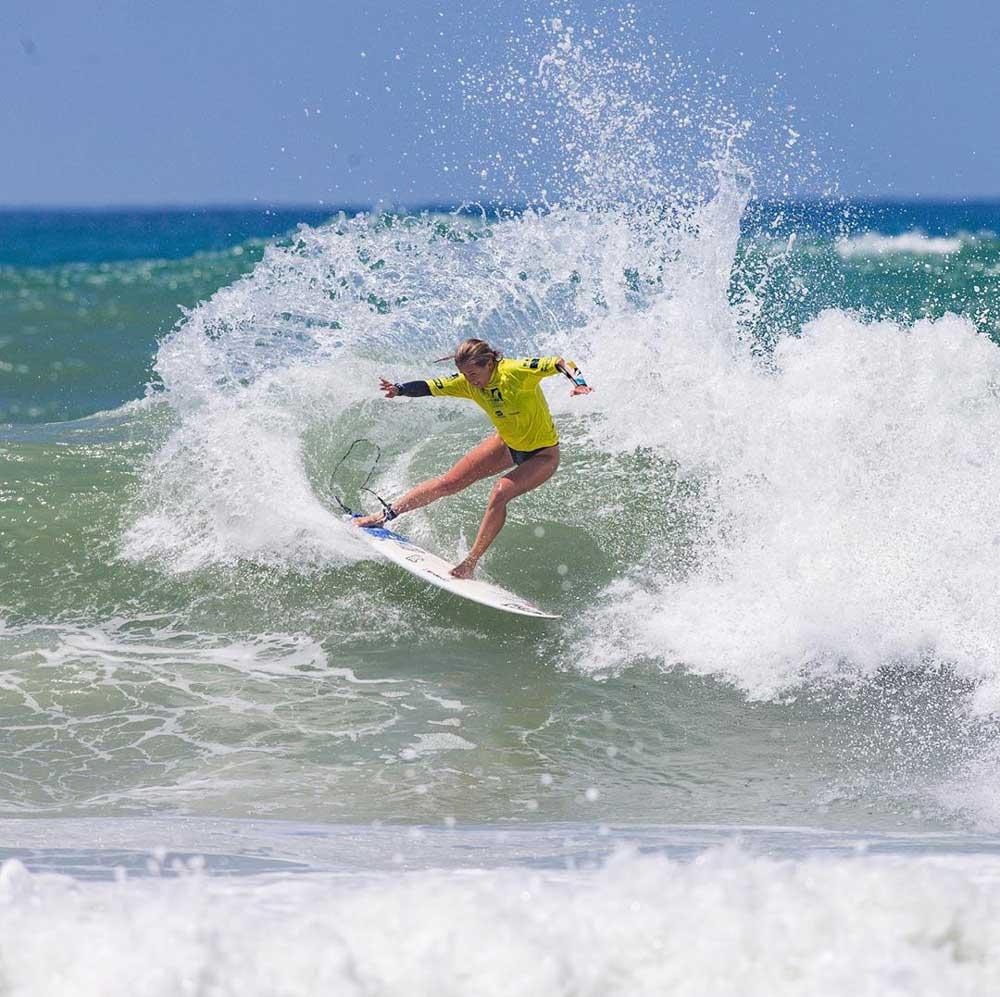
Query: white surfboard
(430, 568)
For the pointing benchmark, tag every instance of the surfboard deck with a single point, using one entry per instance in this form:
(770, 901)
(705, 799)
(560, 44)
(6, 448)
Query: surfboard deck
(430, 568)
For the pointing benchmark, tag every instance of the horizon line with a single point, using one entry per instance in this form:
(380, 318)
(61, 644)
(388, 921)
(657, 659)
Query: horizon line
(465, 205)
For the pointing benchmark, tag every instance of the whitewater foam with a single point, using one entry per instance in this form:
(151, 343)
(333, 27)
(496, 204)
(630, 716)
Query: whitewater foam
(916, 242)
(849, 512)
(726, 922)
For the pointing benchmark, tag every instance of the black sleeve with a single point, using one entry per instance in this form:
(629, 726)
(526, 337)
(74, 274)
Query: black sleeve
(414, 389)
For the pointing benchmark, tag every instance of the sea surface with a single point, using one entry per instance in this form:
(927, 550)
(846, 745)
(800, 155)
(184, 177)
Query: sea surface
(758, 753)
(239, 751)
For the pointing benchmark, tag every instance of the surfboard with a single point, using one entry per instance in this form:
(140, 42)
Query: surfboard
(430, 568)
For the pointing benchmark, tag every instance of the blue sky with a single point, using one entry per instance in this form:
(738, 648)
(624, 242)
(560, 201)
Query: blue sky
(137, 102)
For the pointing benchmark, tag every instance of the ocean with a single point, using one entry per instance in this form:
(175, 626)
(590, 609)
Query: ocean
(757, 754)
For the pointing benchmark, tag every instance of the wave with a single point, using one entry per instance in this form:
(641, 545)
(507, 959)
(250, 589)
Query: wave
(776, 504)
(274, 375)
(848, 511)
(914, 242)
(806, 512)
(728, 921)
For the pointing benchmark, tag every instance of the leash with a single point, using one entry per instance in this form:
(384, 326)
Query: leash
(390, 513)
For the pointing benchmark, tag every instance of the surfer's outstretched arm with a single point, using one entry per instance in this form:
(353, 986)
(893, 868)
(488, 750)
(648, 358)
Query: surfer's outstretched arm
(453, 386)
(408, 389)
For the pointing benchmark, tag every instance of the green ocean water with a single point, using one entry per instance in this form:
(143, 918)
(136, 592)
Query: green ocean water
(84, 297)
(187, 630)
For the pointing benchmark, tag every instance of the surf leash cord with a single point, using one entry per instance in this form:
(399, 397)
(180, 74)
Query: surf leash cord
(390, 513)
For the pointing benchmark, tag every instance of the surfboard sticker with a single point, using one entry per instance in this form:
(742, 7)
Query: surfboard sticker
(433, 569)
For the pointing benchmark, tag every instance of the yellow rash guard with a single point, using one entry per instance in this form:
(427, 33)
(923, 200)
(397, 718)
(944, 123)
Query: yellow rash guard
(513, 400)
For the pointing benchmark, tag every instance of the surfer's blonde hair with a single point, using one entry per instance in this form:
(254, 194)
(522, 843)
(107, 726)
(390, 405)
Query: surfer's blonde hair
(473, 353)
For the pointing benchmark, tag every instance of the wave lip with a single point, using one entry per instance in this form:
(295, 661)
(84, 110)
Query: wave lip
(915, 242)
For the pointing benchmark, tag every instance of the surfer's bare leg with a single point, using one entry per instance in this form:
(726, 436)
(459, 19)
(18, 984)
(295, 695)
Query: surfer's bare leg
(482, 461)
(524, 478)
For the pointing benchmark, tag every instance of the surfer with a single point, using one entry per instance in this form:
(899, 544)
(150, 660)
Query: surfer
(526, 443)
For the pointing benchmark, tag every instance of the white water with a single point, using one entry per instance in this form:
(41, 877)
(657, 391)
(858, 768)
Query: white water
(727, 922)
(853, 505)
(915, 242)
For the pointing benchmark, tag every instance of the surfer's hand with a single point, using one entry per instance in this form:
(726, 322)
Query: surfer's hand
(387, 388)
(581, 389)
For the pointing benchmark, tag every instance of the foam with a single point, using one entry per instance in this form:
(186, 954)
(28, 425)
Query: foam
(852, 499)
(427, 743)
(230, 485)
(206, 717)
(727, 922)
(915, 242)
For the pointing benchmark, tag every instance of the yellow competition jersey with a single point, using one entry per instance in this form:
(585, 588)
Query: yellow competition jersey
(513, 400)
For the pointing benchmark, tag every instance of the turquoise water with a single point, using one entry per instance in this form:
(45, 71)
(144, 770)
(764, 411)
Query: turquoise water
(84, 297)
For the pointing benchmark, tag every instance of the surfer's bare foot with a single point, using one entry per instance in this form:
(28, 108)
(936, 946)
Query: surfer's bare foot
(376, 520)
(463, 570)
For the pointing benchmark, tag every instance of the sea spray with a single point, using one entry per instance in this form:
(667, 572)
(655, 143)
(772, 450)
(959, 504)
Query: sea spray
(854, 507)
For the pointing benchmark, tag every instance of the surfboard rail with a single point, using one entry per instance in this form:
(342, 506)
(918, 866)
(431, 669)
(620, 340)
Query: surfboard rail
(435, 570)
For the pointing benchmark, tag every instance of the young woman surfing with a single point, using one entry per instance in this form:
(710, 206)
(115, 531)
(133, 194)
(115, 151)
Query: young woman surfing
(509, 392)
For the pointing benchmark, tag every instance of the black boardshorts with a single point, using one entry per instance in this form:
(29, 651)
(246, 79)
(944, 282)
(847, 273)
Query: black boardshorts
(520, 456)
